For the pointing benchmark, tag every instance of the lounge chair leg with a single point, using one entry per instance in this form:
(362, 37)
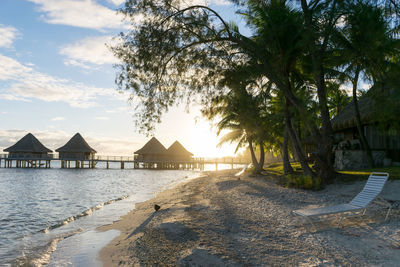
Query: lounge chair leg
(306, 218)
(363, 212)
(389, 206)
(387, 214)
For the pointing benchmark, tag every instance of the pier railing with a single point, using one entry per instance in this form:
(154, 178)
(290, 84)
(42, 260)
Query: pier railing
(55, 156)
(27, 157)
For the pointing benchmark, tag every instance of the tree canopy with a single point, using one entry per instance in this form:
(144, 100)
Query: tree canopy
(299, 57)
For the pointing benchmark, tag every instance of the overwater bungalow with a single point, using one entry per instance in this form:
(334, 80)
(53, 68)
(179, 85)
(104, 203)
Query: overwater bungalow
(76, 149)
(28, 147)
(152, 151)
(176, 152)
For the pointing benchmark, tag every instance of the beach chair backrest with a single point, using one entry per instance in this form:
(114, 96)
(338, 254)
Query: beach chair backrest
(376, 182)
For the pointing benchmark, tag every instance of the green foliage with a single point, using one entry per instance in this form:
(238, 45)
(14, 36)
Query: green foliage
(337, 98)
(170, 48)
(176, 52)
(303, 182)
(294, 180)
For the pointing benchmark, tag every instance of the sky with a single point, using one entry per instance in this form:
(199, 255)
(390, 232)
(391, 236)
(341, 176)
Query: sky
(57, 79)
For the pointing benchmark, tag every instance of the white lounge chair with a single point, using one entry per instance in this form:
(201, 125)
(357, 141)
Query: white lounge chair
(373, 187)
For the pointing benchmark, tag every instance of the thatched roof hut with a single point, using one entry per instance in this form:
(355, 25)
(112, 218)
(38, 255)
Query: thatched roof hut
(28, 146)
(76, 148)
(177, 152)
(377, 108)
(153, 150)
(346, 117)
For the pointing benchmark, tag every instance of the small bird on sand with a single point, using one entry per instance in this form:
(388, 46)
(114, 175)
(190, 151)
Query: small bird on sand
(156, 207)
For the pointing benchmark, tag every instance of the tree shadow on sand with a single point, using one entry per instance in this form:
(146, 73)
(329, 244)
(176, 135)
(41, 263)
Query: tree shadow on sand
(144, 224)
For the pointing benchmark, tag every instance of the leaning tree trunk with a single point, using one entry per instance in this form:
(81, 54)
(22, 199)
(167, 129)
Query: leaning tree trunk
(295, 142)
(260, 166)
(287, 168)
(364, 142)
(253, 156)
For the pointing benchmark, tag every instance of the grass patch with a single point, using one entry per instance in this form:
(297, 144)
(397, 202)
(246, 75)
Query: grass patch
(298, 180)
(277, 168)
(250, 169)
(295, 179)
(355, 175)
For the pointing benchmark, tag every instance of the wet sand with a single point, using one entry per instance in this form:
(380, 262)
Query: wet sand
(223, 220)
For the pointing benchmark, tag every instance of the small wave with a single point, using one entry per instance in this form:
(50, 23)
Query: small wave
(85, 213)
(40, 256)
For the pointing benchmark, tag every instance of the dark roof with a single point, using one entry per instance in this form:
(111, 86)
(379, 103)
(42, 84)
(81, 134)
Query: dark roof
(28, 144)
(346, 117)
(152, 147)
(76, 145)
(176, 149)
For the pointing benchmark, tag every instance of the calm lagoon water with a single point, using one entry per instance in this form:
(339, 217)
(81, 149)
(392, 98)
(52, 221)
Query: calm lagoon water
(39, 208)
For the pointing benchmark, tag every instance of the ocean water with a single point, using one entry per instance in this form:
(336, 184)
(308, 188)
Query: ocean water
(42, 208)
(38, 208)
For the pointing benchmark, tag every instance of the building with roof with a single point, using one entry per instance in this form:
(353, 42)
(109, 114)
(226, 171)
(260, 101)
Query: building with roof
(375, 113)
(176, 152)
(76, 149)
(28, 147)
(152, 151)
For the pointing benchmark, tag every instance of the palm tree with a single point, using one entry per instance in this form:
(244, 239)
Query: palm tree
(239, 112)
(337, 98)
(364, 42)
(279, 47)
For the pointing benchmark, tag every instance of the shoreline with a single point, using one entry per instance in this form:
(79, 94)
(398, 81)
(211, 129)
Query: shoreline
(85, 242)
(224, 220)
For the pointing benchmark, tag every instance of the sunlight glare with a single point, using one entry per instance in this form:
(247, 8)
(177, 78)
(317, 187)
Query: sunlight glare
(204, 141)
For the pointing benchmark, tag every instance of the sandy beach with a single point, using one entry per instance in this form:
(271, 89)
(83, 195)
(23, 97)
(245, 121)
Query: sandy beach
(222, 220)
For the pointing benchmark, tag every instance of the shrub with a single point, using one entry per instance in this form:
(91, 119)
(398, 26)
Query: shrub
(303, 182)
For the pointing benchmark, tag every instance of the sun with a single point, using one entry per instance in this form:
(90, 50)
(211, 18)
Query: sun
(204, 142)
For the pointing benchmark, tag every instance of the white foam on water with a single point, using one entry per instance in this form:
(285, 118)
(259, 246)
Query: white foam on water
(87, 212)
(41, 255)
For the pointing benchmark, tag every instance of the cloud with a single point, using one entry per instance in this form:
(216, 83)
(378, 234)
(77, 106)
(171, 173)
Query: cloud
(80, 13)
(221, 2)
(91, 50)
(90, 14)
(8, 35)
(206, 2)
(24, 83)
(58, 119)
(102, 118)
(124, 109)
(116, 2)
(55, 139)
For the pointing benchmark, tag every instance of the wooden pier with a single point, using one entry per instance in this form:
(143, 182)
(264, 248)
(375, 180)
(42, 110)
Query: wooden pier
(91, 162)
(122, 162)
